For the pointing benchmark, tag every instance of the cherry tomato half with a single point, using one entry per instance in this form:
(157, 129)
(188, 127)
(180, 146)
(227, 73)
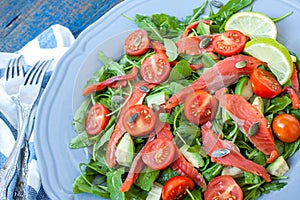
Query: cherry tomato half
(96, 119)
(286, 127)
(229, 43)
(137, 43)
(200, 107)
(159, 153)
(175, 187)
(156, 68)
(139, 120)
(264, 84)
(223, 187)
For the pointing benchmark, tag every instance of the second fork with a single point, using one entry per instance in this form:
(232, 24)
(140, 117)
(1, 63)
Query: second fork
(28, 94)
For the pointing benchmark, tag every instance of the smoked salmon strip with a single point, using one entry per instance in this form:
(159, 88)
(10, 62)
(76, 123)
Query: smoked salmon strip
(245, 115)
(223, 74)
(212, 142)
(137, 97)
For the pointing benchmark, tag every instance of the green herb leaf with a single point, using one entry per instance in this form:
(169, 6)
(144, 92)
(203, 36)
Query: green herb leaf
(146, 178)
(278, 103)
(197, 12)
(180, 70)
(114, 180)
(80, 116)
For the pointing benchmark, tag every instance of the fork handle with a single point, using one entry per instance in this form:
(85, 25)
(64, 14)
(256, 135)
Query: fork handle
(9, 168)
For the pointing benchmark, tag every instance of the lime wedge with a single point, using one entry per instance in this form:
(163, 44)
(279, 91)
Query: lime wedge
(252, 24)
(275, 54)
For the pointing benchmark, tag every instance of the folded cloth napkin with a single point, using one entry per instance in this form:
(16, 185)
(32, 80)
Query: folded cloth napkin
(50, 44)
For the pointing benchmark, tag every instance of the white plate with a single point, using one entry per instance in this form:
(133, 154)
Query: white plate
(58, 164)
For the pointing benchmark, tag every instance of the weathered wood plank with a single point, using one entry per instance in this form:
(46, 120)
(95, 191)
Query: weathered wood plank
(24, 20)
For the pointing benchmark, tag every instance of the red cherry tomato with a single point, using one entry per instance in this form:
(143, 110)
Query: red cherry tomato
(175, 187)
(139, 120)
(286, 127)
(156, 68)
(200, 107)
(264, 84)
(158, 47)
(229, 43)
(96, 119)
(223, 187)
(159, 153)
(137, 43)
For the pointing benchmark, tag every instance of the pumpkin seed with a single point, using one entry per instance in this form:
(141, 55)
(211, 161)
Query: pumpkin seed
(133, 118)
(138, 40)
(205, 42)
(117, 99)
(253, 129)
(241, 64)
(216, 3)
(144, 89)
(219, 153)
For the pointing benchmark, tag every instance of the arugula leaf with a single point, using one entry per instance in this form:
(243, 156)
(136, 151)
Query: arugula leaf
(229, 9)
(212, 171)
(80, 141)
(168, 22)
(80, 185)
(106, 133)
(166, 174)
(197, 12)
(146, 178)
(110, 64)
(180, 70)
(186, 133)
(196, 193)
(80, 116)
(146, 23)
(290, 148)
(278, 103)
(135, 193)
(114, 181)
(251, 178)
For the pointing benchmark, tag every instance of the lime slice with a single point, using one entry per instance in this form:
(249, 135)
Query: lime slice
(252, 24)
(275, 54)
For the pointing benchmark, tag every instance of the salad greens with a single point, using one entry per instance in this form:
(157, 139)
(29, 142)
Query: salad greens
(98, 179)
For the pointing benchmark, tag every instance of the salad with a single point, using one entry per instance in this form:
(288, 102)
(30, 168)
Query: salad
(191, 110)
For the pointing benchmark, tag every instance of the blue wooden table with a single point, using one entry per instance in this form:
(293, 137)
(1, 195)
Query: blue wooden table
(22, 20)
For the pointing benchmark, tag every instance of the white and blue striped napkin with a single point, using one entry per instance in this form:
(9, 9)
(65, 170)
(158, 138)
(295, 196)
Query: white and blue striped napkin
(50, 44)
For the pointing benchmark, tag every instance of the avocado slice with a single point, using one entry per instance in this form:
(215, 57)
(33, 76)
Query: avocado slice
(125, 150)
(279, 167)
(244, 88)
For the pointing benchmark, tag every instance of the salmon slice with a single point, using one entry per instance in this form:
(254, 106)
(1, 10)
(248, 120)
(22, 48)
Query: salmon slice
(245, 114)
(212, 142)
(185, 168)
(223, 74)
(137, 97)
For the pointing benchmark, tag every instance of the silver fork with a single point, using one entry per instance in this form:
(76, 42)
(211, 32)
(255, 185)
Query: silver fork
(13, 79)
(13, 76)
(28, 95)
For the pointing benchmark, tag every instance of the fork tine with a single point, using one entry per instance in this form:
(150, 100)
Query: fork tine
(38, 70)
(40, 74)
(19, 66)
(8, 69)
(30, 72)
